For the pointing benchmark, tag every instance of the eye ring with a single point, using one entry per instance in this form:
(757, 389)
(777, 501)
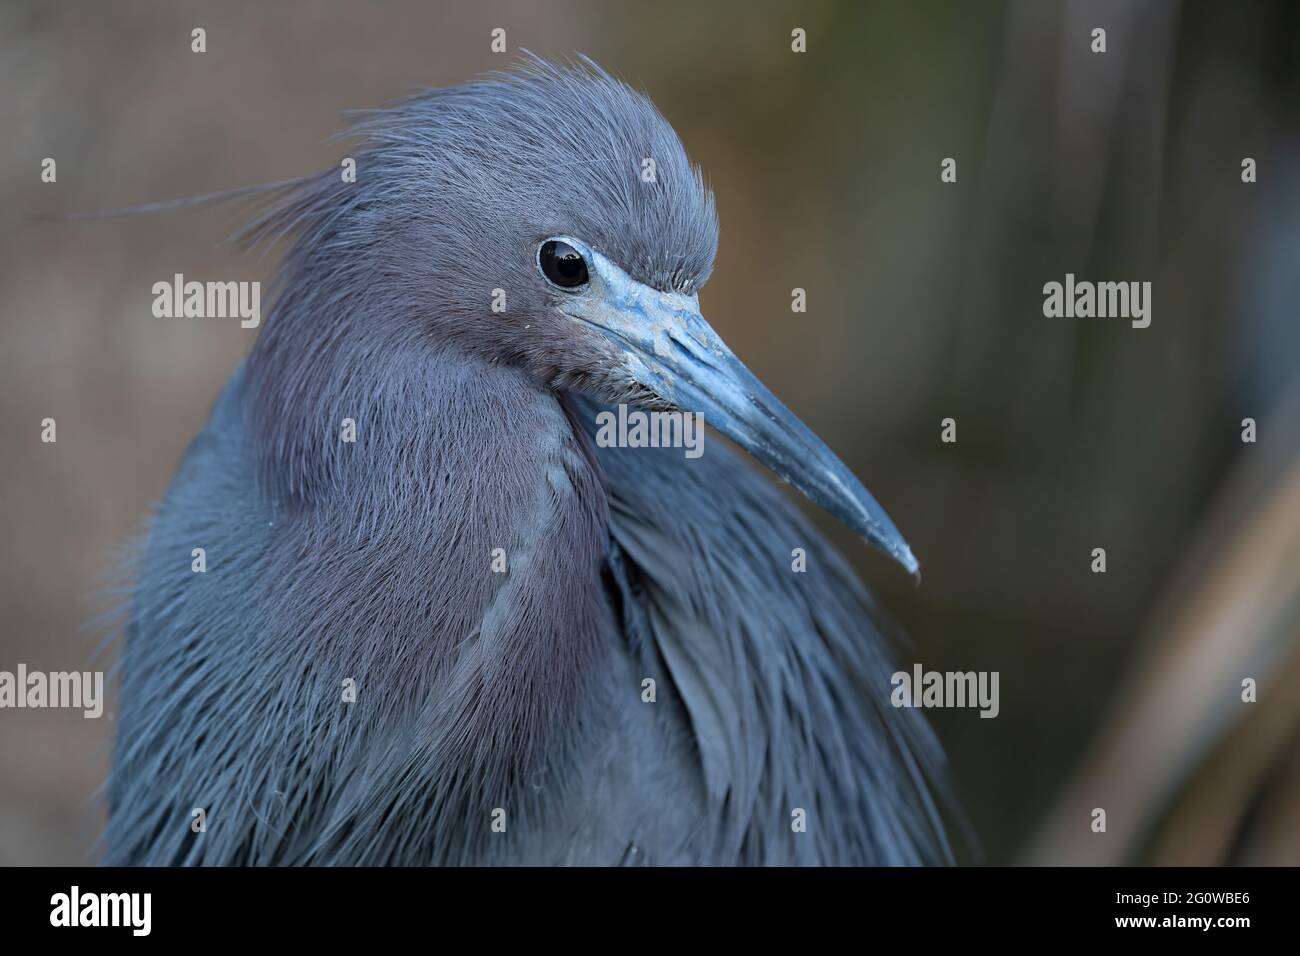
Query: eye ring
(562, 265)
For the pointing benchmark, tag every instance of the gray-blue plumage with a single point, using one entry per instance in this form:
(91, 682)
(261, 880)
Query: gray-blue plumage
(479, 691)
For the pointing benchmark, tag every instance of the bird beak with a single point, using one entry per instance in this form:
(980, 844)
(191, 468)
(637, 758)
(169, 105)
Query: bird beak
(669, 348)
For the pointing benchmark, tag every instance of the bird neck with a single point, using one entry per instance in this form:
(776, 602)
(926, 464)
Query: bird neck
(458, 528)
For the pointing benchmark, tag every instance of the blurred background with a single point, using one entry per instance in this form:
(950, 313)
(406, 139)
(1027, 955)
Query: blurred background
(1119, 690)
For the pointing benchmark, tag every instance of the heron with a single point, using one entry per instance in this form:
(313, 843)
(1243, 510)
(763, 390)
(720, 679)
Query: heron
(438, 622)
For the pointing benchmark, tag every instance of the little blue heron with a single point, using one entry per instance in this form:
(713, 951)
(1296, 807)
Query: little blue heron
(438, 622)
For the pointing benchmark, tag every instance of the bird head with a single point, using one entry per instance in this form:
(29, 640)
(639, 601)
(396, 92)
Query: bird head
(548, 218)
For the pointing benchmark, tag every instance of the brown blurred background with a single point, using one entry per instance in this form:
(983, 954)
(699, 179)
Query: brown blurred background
(1118, 690)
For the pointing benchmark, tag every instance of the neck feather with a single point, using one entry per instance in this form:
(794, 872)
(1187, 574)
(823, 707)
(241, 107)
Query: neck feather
(452, 558)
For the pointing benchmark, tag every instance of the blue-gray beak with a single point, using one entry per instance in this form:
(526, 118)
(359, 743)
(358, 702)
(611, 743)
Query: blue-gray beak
(669, 348)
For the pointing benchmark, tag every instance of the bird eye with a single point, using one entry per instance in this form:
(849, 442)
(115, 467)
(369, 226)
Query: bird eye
(562, 264)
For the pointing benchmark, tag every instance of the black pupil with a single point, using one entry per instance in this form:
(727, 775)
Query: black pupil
(563, 264)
